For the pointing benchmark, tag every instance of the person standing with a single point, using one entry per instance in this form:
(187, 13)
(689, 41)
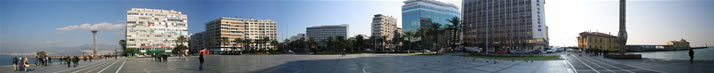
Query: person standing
(200, 59)
(25, 63)
(14, 63)
(36, 59)
(49, 60)
(691, 55)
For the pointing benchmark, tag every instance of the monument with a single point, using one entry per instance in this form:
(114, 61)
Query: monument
(622, 38)
(94, 46)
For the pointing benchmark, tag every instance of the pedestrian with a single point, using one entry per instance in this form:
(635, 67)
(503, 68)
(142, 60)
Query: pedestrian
(343, 52)
(25, 63)
(49, 60)
(90, 58)
(14, 63)
(166, 57)
(76, 61)
(36, 59)
(691, 55)
(67, 60)
(200, 59)
(84, 58)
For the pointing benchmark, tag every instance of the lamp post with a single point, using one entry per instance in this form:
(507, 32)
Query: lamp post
(94, 50)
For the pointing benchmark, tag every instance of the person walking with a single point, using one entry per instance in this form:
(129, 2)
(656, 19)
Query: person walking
(14, 63)
(691, 55)
(68, 61)
(200, 59)
(76, 61)
(343, 52)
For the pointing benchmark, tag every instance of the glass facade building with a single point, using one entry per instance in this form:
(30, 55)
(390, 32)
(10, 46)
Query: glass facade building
(505, 24)
(413, 11)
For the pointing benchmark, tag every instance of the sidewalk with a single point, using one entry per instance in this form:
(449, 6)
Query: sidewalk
(54, 67)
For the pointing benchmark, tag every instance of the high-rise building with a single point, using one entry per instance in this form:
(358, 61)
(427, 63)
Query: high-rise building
(197, 41)
(384, 27)
(225, 30)
(414, 11)
(154, 30)
(505, 24)
(319, 33)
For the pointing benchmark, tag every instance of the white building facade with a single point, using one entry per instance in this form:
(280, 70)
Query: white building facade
(155, 30)
(225, 30)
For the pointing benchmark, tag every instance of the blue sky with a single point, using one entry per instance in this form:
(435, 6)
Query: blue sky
(30, 25)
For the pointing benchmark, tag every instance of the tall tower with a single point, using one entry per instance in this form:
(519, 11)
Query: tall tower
(94, 51)
(623, 33)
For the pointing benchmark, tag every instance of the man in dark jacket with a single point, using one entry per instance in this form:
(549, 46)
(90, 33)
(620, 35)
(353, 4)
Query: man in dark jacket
(76, 61)
(68, 60)
(200, 59)
(691, 55)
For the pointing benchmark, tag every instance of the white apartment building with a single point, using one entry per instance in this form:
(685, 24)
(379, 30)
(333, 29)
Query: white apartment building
(228, 29)
(384, 26)
(154, 29)
(319, 33)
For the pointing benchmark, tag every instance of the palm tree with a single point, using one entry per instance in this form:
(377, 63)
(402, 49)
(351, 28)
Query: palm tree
(329, 43)
(359, 42)
(224, 41)
(250, 44)
(275, 44)
(122, 43)
(240, 41)
(396, 39)
(311, 44)
(263, 41)
(409, 37)
(180, 40)
(456, 26)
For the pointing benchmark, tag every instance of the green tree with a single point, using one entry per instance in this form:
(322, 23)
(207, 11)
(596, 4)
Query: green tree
(396, 39)
(359, 42)
(311, 45)
(122, 43)
(275, 44)
(457, 29)
(180, 47)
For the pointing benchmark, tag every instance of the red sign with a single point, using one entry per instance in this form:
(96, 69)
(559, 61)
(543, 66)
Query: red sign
(165, 46)
(145, 46)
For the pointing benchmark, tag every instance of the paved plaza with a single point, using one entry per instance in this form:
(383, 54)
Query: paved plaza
(365, 63)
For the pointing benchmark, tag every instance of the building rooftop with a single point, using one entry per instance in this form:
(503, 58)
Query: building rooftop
(597, 34)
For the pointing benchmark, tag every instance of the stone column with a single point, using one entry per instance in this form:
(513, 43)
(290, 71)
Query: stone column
(94, 50)
(622, 35)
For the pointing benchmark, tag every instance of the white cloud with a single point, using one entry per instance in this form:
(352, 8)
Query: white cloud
(86, 26)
